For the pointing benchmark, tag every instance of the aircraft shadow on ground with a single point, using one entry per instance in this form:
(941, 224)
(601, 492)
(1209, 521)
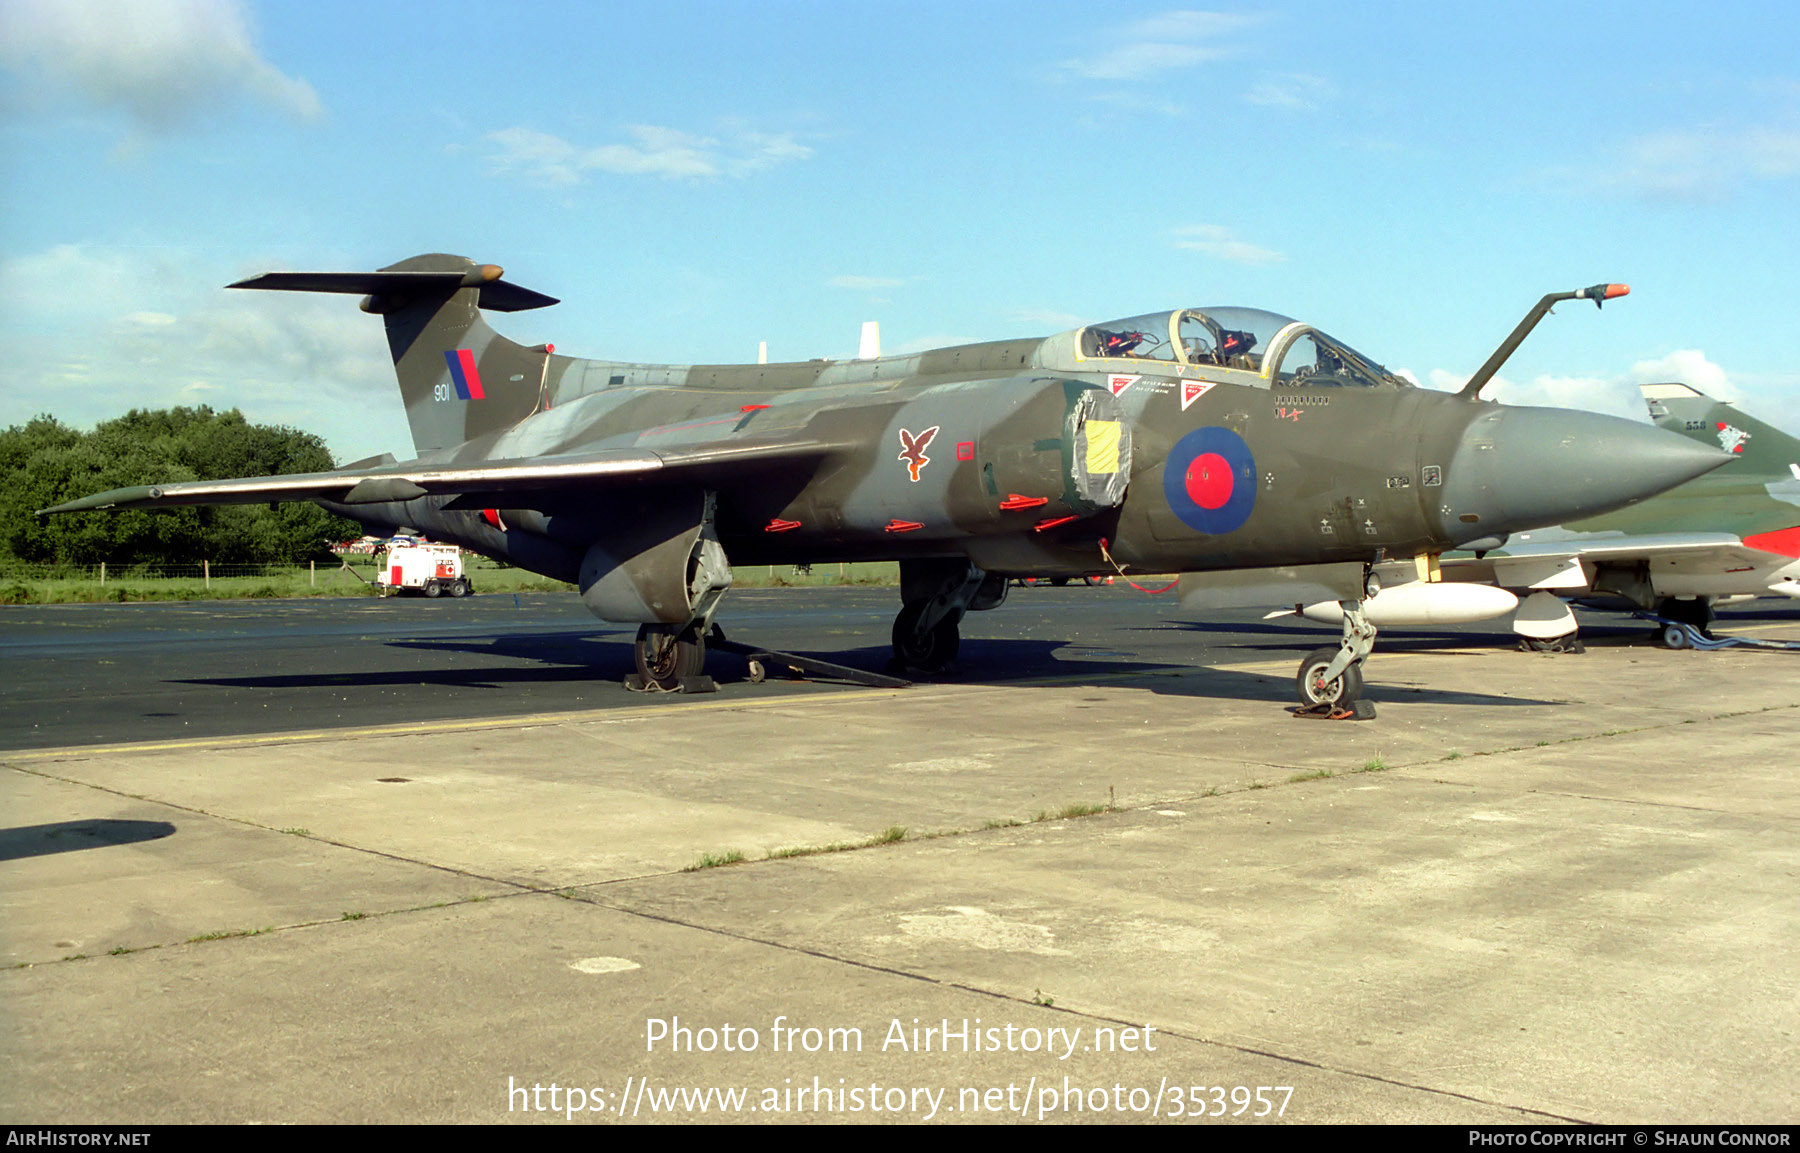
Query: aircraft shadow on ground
(73, 836)
(1288, 637)
(1612, 632)
(535, 658)
(995, 662)
(572, 658)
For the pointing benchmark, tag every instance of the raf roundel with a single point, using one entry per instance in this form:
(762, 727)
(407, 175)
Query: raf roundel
(1210, 480)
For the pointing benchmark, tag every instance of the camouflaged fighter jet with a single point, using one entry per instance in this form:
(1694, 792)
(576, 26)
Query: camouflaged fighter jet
(1731, 535)
(1191, 439)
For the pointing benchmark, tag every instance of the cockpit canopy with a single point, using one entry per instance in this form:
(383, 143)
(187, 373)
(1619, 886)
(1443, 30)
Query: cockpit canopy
(1285, 352)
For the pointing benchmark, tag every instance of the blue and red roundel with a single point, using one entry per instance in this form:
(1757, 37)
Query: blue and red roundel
(1209, 480)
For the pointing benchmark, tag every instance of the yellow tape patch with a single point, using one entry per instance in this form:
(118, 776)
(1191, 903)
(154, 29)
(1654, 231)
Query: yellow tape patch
(1103, 446)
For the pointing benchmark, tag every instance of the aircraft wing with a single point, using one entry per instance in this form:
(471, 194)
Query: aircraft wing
(514, 483)
(1677, 564)
(1673, 564)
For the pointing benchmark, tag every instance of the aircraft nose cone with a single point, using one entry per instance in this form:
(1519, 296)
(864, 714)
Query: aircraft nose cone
(1523, 468)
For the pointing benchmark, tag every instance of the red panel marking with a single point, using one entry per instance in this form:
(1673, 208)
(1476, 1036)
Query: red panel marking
(1784, 541)
(903, 525)
(779, 525)
(1209, 481)
(471, 373)
(492, 516)
(1015, 501)
(1053, 522)
(751, 407)
(965, 450)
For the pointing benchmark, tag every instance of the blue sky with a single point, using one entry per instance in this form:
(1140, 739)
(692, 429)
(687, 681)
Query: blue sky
(691, 179)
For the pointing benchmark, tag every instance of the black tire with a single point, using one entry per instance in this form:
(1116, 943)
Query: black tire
(433, 589)
(1696, 611)
(1339, 693)
(930, 653)
(666, 655)
(459, 588)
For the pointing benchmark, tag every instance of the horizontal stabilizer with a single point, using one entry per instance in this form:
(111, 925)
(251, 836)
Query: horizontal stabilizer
(496, 295)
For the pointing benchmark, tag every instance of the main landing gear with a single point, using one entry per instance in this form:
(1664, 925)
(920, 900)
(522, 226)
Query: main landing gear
(934, 595)
(672, 658)
(668, 655)
(928, 648)
(1695, 613)
(1330, 681)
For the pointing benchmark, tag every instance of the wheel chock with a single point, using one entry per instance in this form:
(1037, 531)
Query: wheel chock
(1359, 710)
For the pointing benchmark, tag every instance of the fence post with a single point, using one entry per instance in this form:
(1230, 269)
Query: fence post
(102, 574)
(206, 573)
(312, 574)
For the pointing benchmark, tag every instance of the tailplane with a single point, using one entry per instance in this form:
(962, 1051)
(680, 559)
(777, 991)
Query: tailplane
(459, 378)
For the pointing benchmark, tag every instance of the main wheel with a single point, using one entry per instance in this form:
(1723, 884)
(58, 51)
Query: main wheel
(931, 652)
(433, 589)
(1338, 692)
(666, 654)
(459, 587)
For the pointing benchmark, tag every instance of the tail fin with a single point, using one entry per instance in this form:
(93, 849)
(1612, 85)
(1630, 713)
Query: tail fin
(1761, 448)
(459, 378)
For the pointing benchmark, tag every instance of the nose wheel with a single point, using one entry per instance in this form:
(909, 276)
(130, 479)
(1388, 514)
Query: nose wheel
(1330, 682)
(1316, 690)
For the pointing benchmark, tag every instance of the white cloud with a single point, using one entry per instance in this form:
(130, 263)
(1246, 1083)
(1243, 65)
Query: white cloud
(1219, 242)
(666, 153)
(932, 341)
(758, 150)
(1688, 366)
(1049, 320)
(1702, 165)
(1293, 91)
(1617, 395)
(1153, 47)
(865, 283)
(85, 349)
(163, 63)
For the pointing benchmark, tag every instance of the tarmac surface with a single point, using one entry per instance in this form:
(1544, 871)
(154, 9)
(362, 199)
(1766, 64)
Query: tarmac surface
(306, 862)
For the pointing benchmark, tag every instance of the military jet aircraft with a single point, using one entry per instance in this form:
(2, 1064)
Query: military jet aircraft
(1732, 534)
(1188, 439)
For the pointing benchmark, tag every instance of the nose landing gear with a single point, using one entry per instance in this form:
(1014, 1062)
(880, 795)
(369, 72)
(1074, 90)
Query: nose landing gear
(1329, 683)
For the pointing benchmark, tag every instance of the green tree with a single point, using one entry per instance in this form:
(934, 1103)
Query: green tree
(45, 462)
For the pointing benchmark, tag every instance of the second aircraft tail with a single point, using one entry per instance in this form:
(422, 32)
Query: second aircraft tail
(1760, 448)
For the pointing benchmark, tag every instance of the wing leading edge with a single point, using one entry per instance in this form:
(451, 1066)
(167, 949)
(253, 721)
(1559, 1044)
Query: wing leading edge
(522, 482)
